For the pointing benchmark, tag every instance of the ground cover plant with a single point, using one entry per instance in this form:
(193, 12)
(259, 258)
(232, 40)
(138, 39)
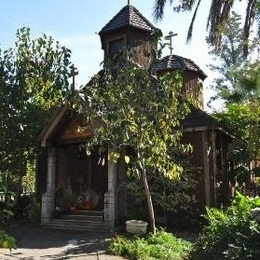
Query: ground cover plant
(6, 241)
(161, 245)
(232, 233)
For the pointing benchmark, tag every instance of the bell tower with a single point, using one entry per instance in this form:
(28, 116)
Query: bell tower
(129, 29)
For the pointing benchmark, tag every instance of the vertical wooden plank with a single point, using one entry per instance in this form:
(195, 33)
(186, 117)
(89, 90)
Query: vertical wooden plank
(206, 168)
(214, 162)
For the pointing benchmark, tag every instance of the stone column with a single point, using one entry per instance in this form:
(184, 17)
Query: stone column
(110, 197)
(48, 196)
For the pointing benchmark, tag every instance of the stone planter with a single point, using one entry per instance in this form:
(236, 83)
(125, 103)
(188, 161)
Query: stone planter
(136, 226)
(255, 213)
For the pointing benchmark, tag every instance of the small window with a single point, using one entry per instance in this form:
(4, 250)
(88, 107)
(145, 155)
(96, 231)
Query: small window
(116, 46)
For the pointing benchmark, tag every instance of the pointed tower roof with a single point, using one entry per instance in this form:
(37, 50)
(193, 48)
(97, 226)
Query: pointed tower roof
(175, 62)
(128, 16)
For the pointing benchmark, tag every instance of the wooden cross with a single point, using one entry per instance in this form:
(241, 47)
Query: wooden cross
(169, 37)
(73, 72)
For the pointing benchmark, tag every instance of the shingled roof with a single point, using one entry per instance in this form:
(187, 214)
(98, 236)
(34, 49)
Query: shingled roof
(174, 62)
(128, 16)
(199, 118)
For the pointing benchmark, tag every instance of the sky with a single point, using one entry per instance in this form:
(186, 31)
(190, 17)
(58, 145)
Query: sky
(76, 24)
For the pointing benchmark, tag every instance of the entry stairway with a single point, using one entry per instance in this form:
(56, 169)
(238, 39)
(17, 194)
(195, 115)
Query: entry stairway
(80, 220)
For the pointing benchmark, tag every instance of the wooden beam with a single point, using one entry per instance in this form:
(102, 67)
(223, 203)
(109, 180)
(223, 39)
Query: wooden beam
(206, 168)
(214, 162)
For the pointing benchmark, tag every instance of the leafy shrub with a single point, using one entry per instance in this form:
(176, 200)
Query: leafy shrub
(20, 204)
(5, 213)
(231, 233)
(173, 197)
(7, 241)
(5, 202)
(161, 245)
(33, 211)
(168, 194)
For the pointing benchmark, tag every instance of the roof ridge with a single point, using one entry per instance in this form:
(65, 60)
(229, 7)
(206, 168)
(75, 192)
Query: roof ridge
(142, 16)
(128, 16)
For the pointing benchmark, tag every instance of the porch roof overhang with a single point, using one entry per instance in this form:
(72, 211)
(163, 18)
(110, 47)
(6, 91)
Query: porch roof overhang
(198, 120)
(51, 125)
(66, 126)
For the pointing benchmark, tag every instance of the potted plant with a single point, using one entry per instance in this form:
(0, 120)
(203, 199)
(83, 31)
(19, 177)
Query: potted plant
(65, 199)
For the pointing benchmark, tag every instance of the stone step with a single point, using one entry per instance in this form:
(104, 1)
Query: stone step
(88, 212)
(81, 220)
(78, 217)
(67, 224)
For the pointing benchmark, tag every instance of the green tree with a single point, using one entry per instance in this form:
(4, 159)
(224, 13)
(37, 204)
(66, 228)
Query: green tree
(237, 86)
(218, 15)
(33, 78)
(127, 107)
(229, 60)
(242, 113)
(242, 116)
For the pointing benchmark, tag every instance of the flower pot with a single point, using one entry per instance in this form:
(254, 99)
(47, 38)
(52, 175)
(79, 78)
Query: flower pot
(136, 226)
(72, 209)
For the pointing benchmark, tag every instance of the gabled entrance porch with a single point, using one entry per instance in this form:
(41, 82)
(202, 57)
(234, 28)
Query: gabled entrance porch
(70, 180)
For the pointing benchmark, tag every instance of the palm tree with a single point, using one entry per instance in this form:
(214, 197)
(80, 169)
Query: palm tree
(218, 14)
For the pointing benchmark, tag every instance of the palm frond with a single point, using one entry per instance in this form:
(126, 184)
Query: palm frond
(250, 14)
(159, 9)
(189, 35)
(218, 15)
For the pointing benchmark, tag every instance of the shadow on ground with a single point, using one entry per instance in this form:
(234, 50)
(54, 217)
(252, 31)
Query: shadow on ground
(35, 242)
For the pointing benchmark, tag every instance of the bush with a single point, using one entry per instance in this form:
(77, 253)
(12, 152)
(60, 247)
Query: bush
(7, 241)
(161, 245)
(231, 233)
(20, 204)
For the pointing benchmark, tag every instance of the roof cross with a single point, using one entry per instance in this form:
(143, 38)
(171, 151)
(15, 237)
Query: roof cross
(169, 37)
(128, 2)
(73, 72)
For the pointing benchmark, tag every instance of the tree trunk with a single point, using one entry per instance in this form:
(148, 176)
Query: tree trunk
(149, 202)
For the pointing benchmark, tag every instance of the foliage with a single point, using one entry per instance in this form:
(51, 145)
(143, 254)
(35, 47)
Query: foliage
(168, 194)
(218, 15)
(229, 60)
(161, 245)
(237, 86)
(5, 201)
(7, 241)
(33, 211)
(231, 233)
(127, 107)
(22, 202)
(242, 113)
(33, 78)
(28, 180)
(247, 88)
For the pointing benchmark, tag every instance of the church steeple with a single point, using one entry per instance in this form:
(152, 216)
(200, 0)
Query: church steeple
(129, 28)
